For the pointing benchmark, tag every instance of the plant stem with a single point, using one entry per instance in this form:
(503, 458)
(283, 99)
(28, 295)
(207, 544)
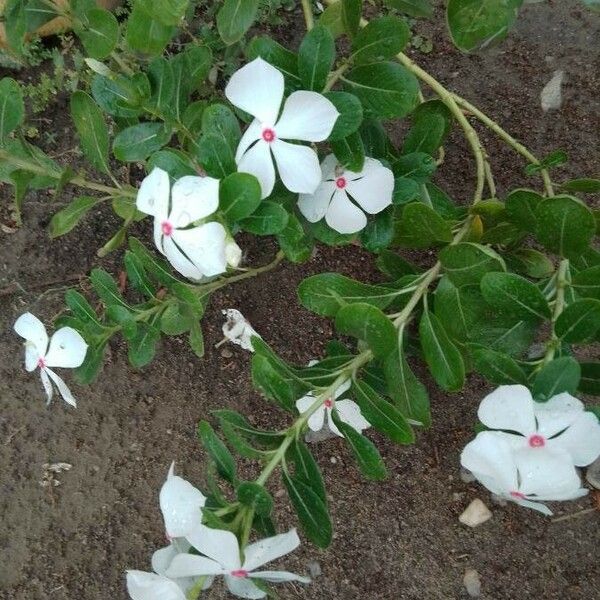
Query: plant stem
(559, 305)
(308, 15)
(334, 76)
(511, 141)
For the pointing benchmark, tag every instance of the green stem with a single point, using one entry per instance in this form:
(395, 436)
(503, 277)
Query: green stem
(559, 305)
(308, 15)
(335, 76)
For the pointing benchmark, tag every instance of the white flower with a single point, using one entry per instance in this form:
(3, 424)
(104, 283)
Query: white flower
(150, 586)
(67, 349)
(524, 476)
(560, 423)
(257, 88)
(341, 190)
(237, 329)
(196, 252)
(223, 552)
(181, 505)
(348, 411)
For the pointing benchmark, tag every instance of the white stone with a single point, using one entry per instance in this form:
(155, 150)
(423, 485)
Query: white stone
(551, 96)
(472, 583)
(475, 514)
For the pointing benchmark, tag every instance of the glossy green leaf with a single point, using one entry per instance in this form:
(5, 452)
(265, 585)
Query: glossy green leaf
(239, 196)
(381, 39)
(350, 152)
(394, 266)
(579, 322)
(277, 55)
(306, 468)
(106, 288)
(379, 232)
(269, 219)
(142, 346)
(420, 227)
(351, 14)
(169, 12)
(587, 282)
(466, 263)
(137, 142)
(413, 8)
(431, 124)
(145, 34)
(315, 58)
(216, 156)
(12, 109)
(590, 378)
(292, 239)
(331, 18)
(235, 18)
(67, 218)
(155, 265)
(162, 84)
(350, 117)
(585, 186)
(498, 368)
(217, 451)
(255, 497)
(100, 34)
(560, 375)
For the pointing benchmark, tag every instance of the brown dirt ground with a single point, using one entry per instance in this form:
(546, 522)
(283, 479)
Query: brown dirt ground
(397, 539)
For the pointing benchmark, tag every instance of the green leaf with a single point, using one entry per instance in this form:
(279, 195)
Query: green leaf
(90, 369)
(217, 451)
(154, 265)
(368, 323)
(100, 34)
(235, 18)
(106, 288)
(381, 39)
(306, 468)
(590, 378)
(294, 242)
(350, 152)
(587, 282)
(80, 307)
(382, 415)
(116, 96)
(311, 510)
(379, 232)
(274, 382)
(216, 156)
(219, 120)
(190, 68)
(137, 142)
(431, 124)
(408, 393)
(137, 275)
(498, 368)
(162, 84)
(255, 497)
(530, 262)
(169, 12)
(565, 225)
(386, 89)
(239, 196)
(406, 190)
(92, 130)
(416, 165)
(67, 218)
(466, 263)
(350, 117)
(269, 219)
(145, 34)
(12, 109)
(239, 425)
(515, 294)
(142, 347)
(420, 227)
(326, 293)
(579, 322)
(350, 14)
(585, 186)
(366, 454)
(560, 375)
(444, 359)
(476, 24)
(315, 58)
(175, 320)
(176, 163)
(554, 159)
(394, 266)
(413, 8)
(277, 55)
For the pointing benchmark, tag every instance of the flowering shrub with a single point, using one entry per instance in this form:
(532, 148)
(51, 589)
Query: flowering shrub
(512, 295)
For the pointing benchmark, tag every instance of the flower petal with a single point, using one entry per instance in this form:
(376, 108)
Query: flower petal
(251, 135)
(30, 328)
(220, 545)
(163, 557)
(193, 198)
(238, 330)
(153, 195)
(181, 505)
(259, 162)
(542, 508)
(343, 216)
(257, 88)
(330, 168)
(47, 385)
(306, 116)
(315, 421)
(331, 425)
(243, 588)
(32, 357)
(314, 206)
(192, 565)
(373, 187)
(63, 390)
(581, 440)
(343, 388)
(490, 459)
(557, 414)
(67, 349)
(508, 407)
(298, 166)
(278, 576)
(264, 551)
(350, 413)
(180, 261)
(205, 247)
(149, 586)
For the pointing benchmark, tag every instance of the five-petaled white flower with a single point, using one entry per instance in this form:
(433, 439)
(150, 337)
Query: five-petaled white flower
(524, 475)
(196, 252)
(348, 411)
(341, 190)
(181, 505)
(559, 423)
(237, 329)
(257, 88)
(67, 349)
(222, 557)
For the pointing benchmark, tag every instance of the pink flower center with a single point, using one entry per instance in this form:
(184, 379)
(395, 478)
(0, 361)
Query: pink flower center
(518, 495)
(537, 441)
(167, 228)
(328, 403)
(268, 135)
(341, 182)
(239, 573)
(41, 363)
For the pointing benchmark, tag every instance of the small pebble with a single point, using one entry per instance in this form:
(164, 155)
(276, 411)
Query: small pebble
(226, 353)
(475, 514)
(466, 476)
(592, 474)
(314, 568)
(472, 583)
